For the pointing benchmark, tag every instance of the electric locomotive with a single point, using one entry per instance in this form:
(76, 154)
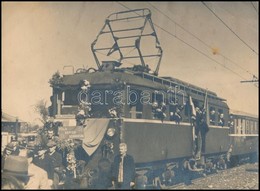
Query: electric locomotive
(153, 115)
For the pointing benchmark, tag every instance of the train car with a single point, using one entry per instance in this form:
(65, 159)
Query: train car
(151, 114)
(243, 136)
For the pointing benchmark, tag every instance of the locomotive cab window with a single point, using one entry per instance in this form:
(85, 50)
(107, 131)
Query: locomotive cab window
(69, 97)
(136, 107)
(212, 116)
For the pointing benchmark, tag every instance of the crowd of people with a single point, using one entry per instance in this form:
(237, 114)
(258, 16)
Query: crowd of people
(44, 165)
(50, 165)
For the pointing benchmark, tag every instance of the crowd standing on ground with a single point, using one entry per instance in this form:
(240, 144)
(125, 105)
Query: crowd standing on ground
(49, 164)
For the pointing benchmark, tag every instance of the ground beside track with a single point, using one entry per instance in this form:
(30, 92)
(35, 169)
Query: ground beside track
(245, 176)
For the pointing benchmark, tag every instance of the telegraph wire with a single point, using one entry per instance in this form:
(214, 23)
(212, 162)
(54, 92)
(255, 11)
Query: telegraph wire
(198, 38)
(190, 45)
(198, 50)
(254, 6)
(229, 28)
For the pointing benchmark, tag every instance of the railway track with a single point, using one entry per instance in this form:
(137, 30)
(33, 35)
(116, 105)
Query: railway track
(244, 176)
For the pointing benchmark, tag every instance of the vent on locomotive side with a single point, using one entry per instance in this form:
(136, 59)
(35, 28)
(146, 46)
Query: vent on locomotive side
(128, 38)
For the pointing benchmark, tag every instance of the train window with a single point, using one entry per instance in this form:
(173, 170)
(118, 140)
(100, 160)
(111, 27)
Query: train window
(239, 126)
(243, 125)
(256, 128)
(172, 108)
(158, 80)
(133, 111)
(247, 127)
(63, 96)
(139, 111)
(195, 102)
(212, 116)
(177, 110)
(253, 127)
(221, 121)
(136, 107)
(250, 127)
(159, 96)
(69, 97)
(167, 83)
(148, 77)
(220, 111)
(136, 111)
(187, 110)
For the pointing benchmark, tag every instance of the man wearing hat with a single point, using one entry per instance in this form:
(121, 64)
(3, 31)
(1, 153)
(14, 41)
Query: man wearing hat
(52, 145)
(42, 160)
(17, 166)
(39, 180)
(31, 142)
(55, 160)
(14, 140)
(9, 150)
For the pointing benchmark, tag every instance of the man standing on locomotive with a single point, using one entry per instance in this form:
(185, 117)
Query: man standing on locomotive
(123, 169)
(201, 128)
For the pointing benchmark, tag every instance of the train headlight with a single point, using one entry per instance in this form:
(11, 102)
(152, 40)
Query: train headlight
(111, 131)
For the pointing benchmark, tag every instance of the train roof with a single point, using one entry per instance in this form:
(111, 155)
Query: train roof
(9, 118)
(135, 78)
(241, 113)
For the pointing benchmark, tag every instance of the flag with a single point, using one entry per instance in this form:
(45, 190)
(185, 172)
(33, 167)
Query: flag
(206, 110)
(193, 111)
(193, 117)
(206, 107)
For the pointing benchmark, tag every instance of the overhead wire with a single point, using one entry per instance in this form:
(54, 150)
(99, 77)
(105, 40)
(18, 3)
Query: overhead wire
(190, 45)
(198, 38)
(253, 6)
(228, 27)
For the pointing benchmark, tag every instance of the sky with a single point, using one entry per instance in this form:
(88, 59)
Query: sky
(40, 38)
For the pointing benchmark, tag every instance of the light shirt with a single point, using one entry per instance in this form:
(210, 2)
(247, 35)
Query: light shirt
(121, 170)
(39, 180)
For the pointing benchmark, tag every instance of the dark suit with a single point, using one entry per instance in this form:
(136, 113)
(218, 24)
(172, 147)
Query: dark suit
(128, 171)
(44, 164)
(56, 159)
(56, 168)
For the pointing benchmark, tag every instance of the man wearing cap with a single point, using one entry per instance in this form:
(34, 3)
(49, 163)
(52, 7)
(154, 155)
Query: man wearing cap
(41, 159)
(55, 160)
(17, 166)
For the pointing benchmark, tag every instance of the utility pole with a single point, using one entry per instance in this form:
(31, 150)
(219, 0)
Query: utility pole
(249, 81)
(255, 79)
(16, 125)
